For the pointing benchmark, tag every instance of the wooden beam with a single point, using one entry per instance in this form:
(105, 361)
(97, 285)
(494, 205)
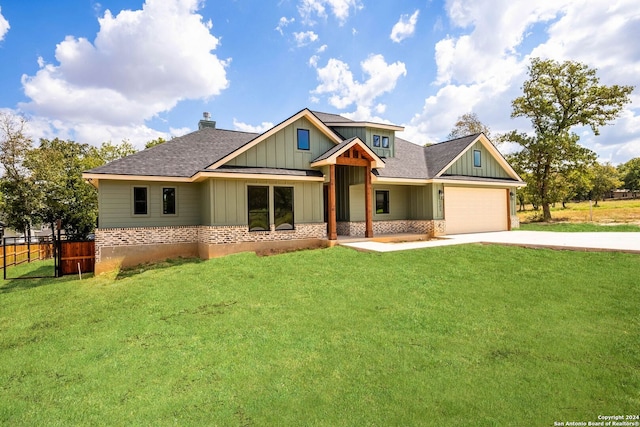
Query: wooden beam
(368, 202)
(333, 232)
(346, 161)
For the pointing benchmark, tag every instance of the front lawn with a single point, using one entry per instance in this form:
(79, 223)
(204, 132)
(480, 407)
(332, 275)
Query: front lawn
(460, 335)
(578, 227)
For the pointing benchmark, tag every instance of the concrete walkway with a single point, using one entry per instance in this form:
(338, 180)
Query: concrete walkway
(617, 242)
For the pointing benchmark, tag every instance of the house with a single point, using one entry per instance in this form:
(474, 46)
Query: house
(621, 194)
(302, 183)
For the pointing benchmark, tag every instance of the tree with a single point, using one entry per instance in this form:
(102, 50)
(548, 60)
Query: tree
(108, 152)
(468, 124)
(605, 179)
(630, 173)
(155, 142)
(16, 185)
(57, 167)
(556, 98)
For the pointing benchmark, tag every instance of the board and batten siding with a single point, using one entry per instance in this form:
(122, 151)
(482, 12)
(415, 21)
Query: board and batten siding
(366, 135)
(281, 150)
(399, 203)
(489, 168)
(115, 205)
(227, 200)
(425, 202)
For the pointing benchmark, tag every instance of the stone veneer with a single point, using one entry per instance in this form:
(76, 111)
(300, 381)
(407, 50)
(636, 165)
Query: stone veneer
(515, 221)
(213, 235)
(358, 228)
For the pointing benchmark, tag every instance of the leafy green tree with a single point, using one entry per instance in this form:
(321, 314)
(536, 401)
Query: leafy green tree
(16, 185)
(155, 142)
(556, 98)
(57, 167)
(469, 124)
(630, 174)
(108, 152)
(605, 179)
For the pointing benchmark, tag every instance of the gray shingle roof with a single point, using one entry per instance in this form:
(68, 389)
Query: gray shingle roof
(268, 171)
(333, 150)
(331, 118)
(440, 155)
(179, 157)
(409, 162)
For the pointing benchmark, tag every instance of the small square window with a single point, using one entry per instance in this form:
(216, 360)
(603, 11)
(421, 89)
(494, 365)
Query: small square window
(477, 158)
(376, 140)
(385, 142)
(140, 200)
(169, 201)
(303, 139)
(382, 202)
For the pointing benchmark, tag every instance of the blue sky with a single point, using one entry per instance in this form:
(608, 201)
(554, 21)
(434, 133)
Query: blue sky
(134, 69)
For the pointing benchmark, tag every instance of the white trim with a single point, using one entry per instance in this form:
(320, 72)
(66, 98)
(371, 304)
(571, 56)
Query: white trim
(467, 183)
(366, 125)
(213, 174)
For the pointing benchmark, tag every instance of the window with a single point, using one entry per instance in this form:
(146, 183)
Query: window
(385, 142)
(258, 207)
(376, 140)
(140, 200)
(169, 201)
(283, 208)
(303, 139)
(382, 201)
(477, 158)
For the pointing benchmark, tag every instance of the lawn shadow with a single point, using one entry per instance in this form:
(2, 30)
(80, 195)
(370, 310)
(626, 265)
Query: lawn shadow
(160, 265)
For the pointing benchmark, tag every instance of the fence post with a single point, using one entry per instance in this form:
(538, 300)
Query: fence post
(59, 250)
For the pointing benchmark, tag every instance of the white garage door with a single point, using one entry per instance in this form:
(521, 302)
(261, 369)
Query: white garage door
(475, 210)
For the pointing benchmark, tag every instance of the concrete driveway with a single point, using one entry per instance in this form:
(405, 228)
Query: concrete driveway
(616, 242)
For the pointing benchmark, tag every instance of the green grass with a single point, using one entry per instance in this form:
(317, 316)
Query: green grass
(466, 335)
(578, 227)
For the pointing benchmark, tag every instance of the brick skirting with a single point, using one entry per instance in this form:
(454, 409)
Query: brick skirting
(357, 228)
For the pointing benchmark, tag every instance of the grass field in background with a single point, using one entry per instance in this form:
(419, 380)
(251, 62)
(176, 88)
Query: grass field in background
(608, 212)
(460, 335)
(577, 227)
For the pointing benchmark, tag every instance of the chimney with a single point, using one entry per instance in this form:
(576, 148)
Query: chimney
(206, 121)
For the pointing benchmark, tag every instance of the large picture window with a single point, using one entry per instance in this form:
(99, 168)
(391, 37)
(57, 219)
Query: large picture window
(382, 201)
(303, 139)
(169, 201)
(140, 200)
(283, 208)
(258, 207)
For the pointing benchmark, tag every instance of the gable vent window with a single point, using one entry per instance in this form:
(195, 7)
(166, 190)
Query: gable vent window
(140, 200)
(303, 139)
(376, 140)
(169, 201)
(477, 158)
(385, 142)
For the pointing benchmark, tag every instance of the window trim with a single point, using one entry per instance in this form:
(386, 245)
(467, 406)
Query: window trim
(386, 209)
(133, 200)
(268, 188)
(477, 158)
(293, 220)
(385, 142)
(175, 200)
(298, 133)
(376, 141)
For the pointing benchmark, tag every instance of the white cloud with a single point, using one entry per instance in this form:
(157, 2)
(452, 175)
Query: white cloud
(313, 61)
(141, 63)
(244, 127)
(405, 27)
(322, 48)
(283, 23)
(304, 38)
(4, 25)
(336, 80)
(482, 66)
(339, 8)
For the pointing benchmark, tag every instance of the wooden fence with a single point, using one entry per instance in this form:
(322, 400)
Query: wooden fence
(18, 254)
(77, 256)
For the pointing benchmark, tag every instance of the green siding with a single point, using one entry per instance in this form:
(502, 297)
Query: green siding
(345, 177)
(230, 201)
(366, 135)
(490, 168)
(116, 199)
(399, 202)
(280, 150)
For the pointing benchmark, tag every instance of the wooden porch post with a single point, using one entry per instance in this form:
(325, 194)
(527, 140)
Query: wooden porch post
(368, 202)
(333, 234)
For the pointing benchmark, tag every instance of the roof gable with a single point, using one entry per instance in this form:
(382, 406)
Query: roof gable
(331, 156)
(305, 113)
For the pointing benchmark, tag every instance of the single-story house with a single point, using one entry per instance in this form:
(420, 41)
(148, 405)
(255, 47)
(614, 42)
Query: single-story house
(304, 182)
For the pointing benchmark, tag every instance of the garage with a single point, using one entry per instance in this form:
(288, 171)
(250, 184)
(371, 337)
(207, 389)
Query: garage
(475, 210)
